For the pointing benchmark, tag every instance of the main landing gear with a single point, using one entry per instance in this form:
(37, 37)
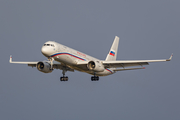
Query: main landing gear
(95, 78)
(64, 78)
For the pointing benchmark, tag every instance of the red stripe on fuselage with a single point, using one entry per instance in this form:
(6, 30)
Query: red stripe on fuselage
(67, 54)
(109, 70)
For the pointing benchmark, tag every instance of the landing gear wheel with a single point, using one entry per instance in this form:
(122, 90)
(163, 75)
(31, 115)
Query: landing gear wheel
(95, 78)
(92, 78)
(63, 78)
(66, 78)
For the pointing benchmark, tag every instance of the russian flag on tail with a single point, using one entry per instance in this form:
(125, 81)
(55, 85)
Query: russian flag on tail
(112, 53)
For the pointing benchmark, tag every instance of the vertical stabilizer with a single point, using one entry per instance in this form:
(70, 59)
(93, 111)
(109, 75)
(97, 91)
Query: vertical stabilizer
(112, 55)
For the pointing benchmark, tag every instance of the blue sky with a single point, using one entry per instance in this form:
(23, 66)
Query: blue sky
(147, 30)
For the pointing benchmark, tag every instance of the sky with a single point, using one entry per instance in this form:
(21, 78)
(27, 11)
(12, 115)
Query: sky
(147, 30)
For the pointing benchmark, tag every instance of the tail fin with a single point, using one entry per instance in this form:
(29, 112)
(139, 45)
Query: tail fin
(112, 55)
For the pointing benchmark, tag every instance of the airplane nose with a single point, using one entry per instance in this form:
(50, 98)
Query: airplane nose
(44, 51)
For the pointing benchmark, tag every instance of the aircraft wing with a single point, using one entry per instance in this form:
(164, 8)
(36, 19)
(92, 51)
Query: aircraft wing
(129, 63)
(126, 63)
(56, 65)
(33, 64)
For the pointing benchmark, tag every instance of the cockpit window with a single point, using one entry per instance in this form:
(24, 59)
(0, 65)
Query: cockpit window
(49, 45)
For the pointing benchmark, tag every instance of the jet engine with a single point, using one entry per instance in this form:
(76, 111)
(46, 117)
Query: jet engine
(96, 66)
(44, 67)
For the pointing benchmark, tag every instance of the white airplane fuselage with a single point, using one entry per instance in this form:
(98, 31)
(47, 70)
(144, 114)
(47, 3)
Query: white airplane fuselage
(71, 57)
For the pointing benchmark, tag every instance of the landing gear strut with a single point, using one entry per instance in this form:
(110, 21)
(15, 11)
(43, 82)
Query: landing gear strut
(51, 60)
(64, 78)
(95, 78)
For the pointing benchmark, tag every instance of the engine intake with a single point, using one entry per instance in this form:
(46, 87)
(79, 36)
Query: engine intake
(96, 66)
(44, 67)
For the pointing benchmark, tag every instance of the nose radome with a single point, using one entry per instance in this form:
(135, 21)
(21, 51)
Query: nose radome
(44, 51)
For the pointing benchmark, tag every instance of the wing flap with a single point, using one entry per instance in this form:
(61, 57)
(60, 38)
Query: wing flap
(129, 69)
(111, 64)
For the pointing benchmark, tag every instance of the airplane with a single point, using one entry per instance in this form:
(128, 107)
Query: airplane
(67, 59)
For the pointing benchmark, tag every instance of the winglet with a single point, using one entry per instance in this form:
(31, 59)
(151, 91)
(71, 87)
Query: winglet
(170, 57)
(10, 60)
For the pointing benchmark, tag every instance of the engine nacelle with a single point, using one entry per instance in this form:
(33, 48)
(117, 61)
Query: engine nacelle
(96, 66)
(44, 67)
